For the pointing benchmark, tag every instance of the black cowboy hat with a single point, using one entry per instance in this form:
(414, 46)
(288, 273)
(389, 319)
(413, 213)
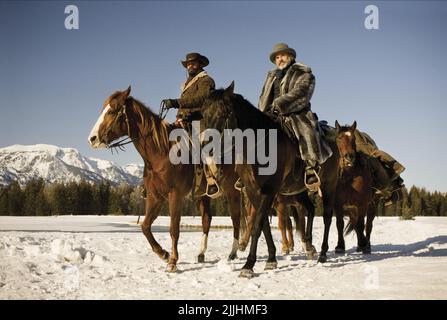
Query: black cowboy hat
(281, 47)
(194, 56)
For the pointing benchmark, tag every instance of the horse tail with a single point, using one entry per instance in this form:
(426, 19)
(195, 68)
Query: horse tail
(353, 217)
(294, 212)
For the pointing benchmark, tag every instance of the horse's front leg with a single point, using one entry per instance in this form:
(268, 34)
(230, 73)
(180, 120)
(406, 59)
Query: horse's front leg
(233, 198)
(271, 261)
(340, 248)
(362, 241)
(250, 209)
(260, 218)
(369, 225)
(175, 210)
(283, 227)
(300, 221)
(327, 217)
(153, 206)
(310, 208)
(203, 205)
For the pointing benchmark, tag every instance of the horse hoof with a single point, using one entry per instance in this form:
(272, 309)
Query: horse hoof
(339, 250)
(165, 256)
(201, 258)
(285, 251)
(311, 252)
(310, 255)
(366, 250)
(242, 246)
(271, 265)
(246, 273)
(322, 259)
(232, 256)
(171, 268)
(359, 249)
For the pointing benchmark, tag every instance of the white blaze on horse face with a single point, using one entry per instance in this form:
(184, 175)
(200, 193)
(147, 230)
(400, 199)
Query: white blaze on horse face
(347, 133)
(93, 138)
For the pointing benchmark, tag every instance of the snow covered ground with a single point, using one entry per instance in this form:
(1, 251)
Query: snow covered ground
(91, 257)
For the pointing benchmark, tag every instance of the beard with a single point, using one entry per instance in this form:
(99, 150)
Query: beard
(192, 73)
(286, 63)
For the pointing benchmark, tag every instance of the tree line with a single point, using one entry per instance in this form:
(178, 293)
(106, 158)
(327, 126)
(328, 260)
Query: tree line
(38, 198)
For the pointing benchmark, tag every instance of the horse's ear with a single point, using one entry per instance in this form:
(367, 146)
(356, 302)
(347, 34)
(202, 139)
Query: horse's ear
(122, 97)
(127, 92)
(337, 125)
(354, 126)
(230, 88)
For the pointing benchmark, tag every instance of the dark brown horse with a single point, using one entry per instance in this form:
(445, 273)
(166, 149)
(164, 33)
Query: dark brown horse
(225, 110)
(354, 195)
(299, 205)
(122, 115)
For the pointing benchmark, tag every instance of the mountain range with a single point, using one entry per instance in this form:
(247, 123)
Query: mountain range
(54, 164)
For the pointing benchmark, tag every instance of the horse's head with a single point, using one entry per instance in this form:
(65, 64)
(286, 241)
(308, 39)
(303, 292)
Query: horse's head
(346, 144)
(111, 124)
(217, 110)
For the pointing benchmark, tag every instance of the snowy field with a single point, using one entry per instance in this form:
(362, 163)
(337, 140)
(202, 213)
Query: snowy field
(90, 257)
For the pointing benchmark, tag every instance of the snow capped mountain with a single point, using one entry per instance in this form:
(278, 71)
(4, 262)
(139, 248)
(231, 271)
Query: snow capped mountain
(134, 169)
(54, 164)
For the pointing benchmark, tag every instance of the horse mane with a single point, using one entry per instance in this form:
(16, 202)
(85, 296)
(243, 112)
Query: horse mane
(248, 115)
(157, 128)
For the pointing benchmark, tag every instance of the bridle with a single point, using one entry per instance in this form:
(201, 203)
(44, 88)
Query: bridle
(122, 142)
(344, 160)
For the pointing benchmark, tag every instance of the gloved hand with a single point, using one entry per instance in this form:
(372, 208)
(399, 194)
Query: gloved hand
(196, 115)
(171, 103)
(273, 114)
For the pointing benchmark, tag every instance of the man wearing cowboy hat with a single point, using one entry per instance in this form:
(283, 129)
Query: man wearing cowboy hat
(286, 96)
(195, 90)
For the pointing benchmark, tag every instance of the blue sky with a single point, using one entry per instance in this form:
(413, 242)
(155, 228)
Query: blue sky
(53, 81)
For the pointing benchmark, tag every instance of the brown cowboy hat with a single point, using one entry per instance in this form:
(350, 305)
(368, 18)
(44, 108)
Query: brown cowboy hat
(194, 56)
(279, 48)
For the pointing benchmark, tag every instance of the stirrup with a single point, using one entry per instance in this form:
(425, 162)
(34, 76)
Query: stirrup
(313, 187)
(216, 194)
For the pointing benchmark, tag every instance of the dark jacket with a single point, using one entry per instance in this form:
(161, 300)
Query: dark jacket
(194, 93)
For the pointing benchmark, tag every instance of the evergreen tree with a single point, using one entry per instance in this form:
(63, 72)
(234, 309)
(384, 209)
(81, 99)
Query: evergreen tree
(137, 201)
(4, 201)
(16, 199)
(85, 199)
(104, 197)
(32, 192)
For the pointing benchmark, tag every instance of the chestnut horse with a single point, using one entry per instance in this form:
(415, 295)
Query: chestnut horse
(121, 116)
(354, 194)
